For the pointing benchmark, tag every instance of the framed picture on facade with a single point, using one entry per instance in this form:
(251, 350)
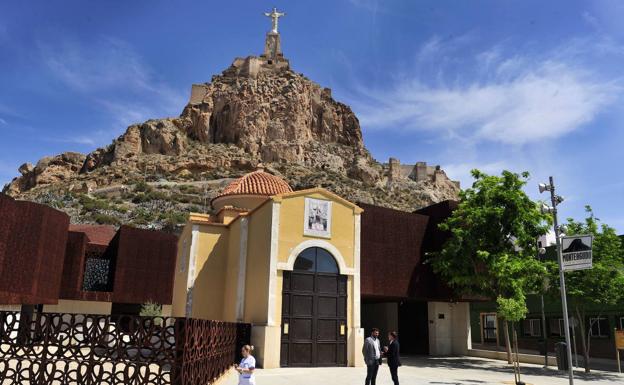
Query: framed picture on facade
(317, 218)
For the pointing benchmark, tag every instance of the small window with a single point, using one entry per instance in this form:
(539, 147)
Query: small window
(325, 262)
(489, 323)
(316, 259)
(557, 327)
(532, 327)
(306, 261)
(599, 327)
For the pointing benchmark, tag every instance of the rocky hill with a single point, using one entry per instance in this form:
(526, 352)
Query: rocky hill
(257, 111)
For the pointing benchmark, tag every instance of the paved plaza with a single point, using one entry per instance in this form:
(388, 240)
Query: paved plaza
(429, 370)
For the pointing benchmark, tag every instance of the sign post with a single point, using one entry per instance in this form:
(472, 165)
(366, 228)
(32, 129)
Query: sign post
(619, 345)
(573, 253)
(577, 252)
(555, 199)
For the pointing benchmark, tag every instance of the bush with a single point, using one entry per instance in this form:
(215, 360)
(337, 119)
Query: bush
(151, 195)
(151, 309)
(91, 204)
(143, 216)
(105, 219)
(142, 186)
(121, 209)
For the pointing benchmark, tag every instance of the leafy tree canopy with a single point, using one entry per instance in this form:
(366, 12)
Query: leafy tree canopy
(492, 246)
(604, 283)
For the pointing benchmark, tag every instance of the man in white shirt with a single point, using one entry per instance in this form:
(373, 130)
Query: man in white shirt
(372, 356)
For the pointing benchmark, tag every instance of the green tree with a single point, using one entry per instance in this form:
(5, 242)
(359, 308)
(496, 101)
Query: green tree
(599, 287)
(513, 310)
(492, 245)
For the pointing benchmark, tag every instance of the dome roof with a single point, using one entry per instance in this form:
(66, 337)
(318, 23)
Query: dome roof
(258, 182)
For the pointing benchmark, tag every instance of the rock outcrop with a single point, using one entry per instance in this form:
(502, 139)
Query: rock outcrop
(257, 110)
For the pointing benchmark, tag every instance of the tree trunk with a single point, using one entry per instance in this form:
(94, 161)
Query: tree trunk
(507, 343)
(584, 339)
(515, 341)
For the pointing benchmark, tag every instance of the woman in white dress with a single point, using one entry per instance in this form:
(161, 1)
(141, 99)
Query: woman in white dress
(246, 367)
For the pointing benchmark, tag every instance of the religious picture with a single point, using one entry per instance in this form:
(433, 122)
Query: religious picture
(317, 218)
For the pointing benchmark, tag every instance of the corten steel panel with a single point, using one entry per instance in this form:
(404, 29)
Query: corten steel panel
(73, 267)
(34, 252)
(437, 213)
(145, 266)
(434, 240)
(96, 234)
(390, 251)
(8, 212)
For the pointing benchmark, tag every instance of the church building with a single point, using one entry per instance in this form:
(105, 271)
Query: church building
(285, 261)
(295, 266)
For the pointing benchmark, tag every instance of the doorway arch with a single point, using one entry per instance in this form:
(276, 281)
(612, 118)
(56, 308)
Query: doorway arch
(314, 311)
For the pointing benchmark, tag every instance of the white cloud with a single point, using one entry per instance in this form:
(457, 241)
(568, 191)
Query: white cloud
(2, 121)
(109, 63)
(113, 75)
(81, 140)
(461, 171)
(514, 100)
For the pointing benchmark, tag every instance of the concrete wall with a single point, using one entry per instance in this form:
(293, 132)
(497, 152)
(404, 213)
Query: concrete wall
(79, 307)
(449, 328)
(234, 247)
(10, 307)
(257, 271)
(181, 274)
(292, 220)
(210, 267)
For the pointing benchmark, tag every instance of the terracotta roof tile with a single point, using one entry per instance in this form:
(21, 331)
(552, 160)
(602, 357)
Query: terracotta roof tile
(258, 182)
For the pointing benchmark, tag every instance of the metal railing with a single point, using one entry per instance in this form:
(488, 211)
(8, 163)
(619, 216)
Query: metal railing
(61, 348)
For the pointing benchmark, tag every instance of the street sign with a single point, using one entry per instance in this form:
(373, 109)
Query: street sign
(619, 339)
(576, 252)
(619, 345)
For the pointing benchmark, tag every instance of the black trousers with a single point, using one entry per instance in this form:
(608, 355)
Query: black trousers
(395, 375)
(371, 374)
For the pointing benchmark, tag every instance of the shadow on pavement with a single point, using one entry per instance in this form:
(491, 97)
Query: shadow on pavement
(451, 363)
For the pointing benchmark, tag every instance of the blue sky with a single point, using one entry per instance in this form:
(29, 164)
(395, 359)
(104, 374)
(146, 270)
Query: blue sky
(501, 84)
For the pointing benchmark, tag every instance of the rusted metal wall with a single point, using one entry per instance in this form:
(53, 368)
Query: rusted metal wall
(145, 266)
(34, 238)
(50, 348)
(437, 213)
(73, 265)
(8, 211)
(394, 247)
(390, 251)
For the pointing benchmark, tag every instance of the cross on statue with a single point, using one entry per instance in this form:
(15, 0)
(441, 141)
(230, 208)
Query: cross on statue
(274, 15)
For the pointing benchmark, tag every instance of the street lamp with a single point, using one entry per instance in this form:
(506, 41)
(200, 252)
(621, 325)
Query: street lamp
(541, 251)
(556, 200)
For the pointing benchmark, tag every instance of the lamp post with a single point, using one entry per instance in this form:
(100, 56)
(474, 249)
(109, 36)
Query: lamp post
(555, 200)
(541, 251)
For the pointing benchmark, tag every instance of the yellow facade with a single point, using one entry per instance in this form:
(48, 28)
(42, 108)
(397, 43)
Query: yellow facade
(79, 307)
(230, 267)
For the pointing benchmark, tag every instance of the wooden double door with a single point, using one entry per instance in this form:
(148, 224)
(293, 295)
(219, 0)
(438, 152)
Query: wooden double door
(314, 312)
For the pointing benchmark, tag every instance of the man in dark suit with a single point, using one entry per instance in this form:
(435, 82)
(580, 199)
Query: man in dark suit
(392, 354)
